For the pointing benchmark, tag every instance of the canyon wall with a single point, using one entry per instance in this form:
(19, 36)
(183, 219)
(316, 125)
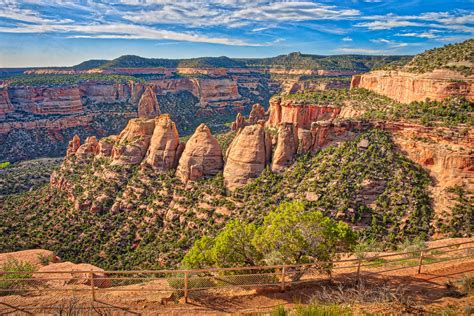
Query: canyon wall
(300, 113)
(407, 87)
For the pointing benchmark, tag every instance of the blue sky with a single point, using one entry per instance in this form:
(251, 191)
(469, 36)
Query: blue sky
(63, 33)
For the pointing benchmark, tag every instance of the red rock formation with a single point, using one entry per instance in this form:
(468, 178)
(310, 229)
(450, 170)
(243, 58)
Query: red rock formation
(5, 104)
(87, 150)
(407, 87)
(299, 113)
(257, 113)
(132, 143)
(72, 273)
(247, 156)
(148, 106)
(105, 146)
(202, 156)
(32, 256)
(74, 144)
(286, 147)
(163, 152)
(45, 100)
(106, 92)
(238, 123)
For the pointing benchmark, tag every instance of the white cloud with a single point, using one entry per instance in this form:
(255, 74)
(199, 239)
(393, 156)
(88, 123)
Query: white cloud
(368, 51)
(429, 34)
(347, 39)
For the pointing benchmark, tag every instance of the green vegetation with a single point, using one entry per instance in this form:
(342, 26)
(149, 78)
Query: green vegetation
(461, 215)
(314, 309)
(67, 79)
(290, 61)
(288, 235)
(26, 175)
(451, 111)
(4, 165)
(458, 57)
(129, 217)
(11, 283)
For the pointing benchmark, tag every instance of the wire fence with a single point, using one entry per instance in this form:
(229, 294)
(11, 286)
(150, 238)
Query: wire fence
(19, 290)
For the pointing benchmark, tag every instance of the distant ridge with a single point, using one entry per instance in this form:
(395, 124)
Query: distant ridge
(291, 61)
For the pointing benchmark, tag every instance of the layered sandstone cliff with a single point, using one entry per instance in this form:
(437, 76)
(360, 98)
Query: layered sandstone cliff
(5, 104)
(300, 113)
(148, 106)
(406, 87)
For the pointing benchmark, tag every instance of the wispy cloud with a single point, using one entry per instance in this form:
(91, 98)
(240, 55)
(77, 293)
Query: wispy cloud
(368, 51)
(347, 39)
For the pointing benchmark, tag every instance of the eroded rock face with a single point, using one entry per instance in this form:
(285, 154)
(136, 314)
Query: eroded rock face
(132, 143)
(105, 146)
(71, 276)
(286, 147)
(300, 113)
(74, 144)
(5, 104)
(239, 122)
(257, 113)
(247, 156)
(202, 156)
(163, 151)
(88, 149)
(148, 106)
(407, 87)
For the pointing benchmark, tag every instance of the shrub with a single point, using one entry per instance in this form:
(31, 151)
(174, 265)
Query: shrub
(13, 281)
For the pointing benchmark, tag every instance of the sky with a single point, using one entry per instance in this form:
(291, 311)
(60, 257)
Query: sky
(44, 33)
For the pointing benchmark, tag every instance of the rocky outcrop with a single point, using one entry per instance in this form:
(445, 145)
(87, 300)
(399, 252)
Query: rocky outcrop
(202, 156)
(87, 150)
(257, 113)
(74, 144)
(406, 87)
(148, 106)
(300, 113)
(285, 148)
(35, 257)
(5, 104)
(247, 156)
(66, 273)
(132, 143)
(238, 123)
(105, 146)
(163, 151)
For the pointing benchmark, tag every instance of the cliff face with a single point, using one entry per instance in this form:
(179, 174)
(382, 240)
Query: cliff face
(5, 104)
(407, 87)
(300, 113)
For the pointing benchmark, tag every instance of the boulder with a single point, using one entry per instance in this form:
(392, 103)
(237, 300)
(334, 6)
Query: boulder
(163, 152)
(286, 147)
(73, 146)
(35, 257)
(72, 273)
(202, 156)
(148, 106)
(257, 113)
(88, 149)
(247, 156)
(132, 143)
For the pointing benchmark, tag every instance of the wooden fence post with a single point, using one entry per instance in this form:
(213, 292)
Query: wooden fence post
(358, 269)
(186, 287)
(91, 274)
(283, 279)
(421, 261)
